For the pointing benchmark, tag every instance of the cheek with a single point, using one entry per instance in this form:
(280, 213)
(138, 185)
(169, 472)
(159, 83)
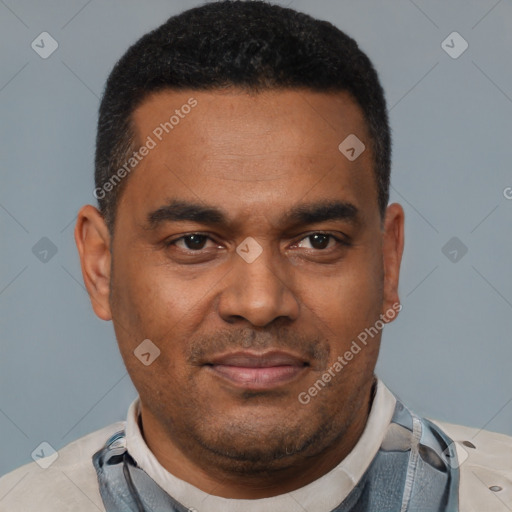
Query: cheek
(348, 301)
(151, 293)
(150, 305)
(156, 302)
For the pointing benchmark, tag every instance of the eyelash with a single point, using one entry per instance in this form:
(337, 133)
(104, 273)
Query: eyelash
(341, 242)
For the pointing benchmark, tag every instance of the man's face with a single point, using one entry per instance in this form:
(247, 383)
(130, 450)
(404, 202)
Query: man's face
(249, 249)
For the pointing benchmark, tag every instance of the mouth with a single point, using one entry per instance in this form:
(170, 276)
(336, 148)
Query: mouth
(258, 371)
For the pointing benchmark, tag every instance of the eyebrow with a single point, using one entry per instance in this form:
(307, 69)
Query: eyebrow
(302, 214)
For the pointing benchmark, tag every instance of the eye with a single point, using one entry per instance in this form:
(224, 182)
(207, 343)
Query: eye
(192, 242)
(321, 241)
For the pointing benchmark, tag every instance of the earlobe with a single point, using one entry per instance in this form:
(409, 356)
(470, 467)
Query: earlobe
(392, 250)
(93, 243)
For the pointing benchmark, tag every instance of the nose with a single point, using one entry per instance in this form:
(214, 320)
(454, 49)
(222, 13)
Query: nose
(258, 292)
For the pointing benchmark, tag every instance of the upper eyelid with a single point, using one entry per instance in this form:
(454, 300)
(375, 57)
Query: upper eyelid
(336, 237)
(182, 237)
(311, 233)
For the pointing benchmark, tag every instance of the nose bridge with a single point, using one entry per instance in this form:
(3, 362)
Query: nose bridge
(258, 289)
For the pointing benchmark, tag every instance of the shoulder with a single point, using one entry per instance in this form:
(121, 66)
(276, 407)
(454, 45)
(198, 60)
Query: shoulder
(485, 465)
(68, 483)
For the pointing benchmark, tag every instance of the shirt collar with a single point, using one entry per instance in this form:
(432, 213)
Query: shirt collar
(322, 495)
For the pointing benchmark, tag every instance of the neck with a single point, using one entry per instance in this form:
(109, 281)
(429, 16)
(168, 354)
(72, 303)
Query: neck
(236, 485)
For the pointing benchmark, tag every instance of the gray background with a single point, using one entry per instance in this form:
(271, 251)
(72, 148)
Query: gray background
(448, 355)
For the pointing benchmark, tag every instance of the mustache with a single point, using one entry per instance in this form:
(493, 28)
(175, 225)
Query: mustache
(315, 350)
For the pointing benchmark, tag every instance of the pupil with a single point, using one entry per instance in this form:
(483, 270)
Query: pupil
(319, 241)
(195, 241)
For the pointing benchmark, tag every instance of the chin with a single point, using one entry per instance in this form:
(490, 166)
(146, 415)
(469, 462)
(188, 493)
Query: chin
(258, 446)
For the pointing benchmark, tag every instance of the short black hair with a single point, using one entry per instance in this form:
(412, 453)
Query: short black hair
(253, 45)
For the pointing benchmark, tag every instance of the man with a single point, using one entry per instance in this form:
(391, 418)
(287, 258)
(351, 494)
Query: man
(246, 253)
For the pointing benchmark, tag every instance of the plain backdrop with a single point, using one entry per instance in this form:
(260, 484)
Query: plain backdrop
(448, 356)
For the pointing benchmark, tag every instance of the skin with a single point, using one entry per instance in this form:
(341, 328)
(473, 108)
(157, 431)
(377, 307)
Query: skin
(255, 157)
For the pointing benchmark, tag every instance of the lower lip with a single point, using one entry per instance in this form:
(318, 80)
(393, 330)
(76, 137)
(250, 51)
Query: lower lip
(258, 378)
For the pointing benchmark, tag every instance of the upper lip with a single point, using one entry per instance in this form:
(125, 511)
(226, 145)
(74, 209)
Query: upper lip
(258, 360)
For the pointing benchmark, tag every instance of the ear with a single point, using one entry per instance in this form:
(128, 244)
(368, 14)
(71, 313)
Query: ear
(93, 242)
(392, 249)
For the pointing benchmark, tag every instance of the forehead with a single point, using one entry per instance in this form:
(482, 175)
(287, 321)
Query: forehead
(247, 152)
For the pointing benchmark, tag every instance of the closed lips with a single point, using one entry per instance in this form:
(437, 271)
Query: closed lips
(258, 371)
